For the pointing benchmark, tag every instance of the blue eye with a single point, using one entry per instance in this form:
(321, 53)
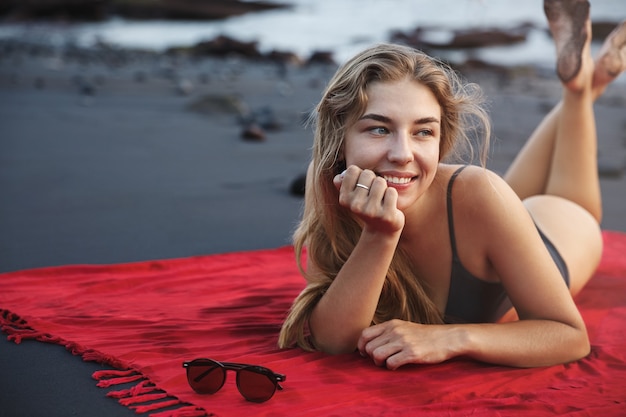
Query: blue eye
(379, 130)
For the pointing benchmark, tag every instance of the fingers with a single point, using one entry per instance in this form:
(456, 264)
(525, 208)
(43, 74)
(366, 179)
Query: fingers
(370, 198)
(361, 190)
(374, 343)
(367, 335)
(396, 343)
(355, 179)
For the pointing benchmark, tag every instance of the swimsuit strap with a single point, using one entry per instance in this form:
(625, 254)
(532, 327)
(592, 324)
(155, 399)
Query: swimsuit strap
(456, 173)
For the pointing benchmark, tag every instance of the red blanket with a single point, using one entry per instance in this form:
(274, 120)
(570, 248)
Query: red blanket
(146, 318)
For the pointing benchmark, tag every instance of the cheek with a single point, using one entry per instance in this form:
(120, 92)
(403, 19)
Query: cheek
(359, 155)
(429, 154)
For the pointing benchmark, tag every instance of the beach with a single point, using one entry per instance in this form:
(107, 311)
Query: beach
(142, 156)
(115, 157)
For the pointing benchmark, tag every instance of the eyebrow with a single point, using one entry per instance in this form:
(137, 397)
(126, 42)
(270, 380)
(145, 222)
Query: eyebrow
(385, 119)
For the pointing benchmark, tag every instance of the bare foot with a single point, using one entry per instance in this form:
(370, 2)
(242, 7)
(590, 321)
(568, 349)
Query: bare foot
(570, 27)
(611, 60)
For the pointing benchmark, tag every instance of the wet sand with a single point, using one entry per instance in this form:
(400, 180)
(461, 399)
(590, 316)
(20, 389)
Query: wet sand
(103, 163)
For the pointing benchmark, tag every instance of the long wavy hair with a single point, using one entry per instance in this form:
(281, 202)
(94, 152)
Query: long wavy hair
(328, 231)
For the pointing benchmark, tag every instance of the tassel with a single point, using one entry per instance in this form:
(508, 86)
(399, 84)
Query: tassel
(48, 338)
(142, 398)
(189, 411)
(95, 356)
(143, 387)
(107, 378)
(111, 373)
(106, 383)
(140, 409)
(74, 348)
(17, 335)
(11, 319)
(18, 329)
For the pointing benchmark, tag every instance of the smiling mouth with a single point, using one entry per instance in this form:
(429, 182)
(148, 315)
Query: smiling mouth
(397, 180)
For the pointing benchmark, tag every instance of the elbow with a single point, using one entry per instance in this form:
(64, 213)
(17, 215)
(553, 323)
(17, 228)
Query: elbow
(333, 342)
(331, 337)
(339, 350)
(333, 346)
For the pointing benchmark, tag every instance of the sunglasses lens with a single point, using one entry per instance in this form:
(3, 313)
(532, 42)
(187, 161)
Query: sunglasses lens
(206, 379)
(255, 386)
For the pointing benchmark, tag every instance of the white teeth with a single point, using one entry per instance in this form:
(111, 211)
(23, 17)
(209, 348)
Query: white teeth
(397, 180)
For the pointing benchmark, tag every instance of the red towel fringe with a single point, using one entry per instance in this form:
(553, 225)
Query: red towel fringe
(112, 373)
(106, 383)
(18, 329)
(144, 387)
(189, 411)
(140, 409)
(142, 398)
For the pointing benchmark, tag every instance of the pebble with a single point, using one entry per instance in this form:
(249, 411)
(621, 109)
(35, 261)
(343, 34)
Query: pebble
(253, 133)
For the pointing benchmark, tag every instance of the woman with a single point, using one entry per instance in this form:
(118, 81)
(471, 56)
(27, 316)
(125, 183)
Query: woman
(413, 260)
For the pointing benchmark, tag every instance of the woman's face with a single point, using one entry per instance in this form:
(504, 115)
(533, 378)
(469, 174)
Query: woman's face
(398, 137)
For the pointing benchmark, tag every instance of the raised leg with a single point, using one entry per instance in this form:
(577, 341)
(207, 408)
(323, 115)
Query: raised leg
(534, 172)
(570, 28)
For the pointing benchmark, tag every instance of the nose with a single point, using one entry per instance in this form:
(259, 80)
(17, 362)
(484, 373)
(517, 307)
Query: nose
(400, 151)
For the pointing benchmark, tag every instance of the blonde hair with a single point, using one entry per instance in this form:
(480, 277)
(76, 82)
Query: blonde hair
(328, 231)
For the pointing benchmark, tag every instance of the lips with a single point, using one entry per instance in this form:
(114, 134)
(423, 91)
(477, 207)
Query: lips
(397, 180)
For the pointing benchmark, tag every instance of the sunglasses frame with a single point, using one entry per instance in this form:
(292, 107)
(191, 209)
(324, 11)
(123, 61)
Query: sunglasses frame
(274, 377)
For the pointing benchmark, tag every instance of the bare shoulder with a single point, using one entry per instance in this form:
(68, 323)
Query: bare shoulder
(483, 199)
(475, 184)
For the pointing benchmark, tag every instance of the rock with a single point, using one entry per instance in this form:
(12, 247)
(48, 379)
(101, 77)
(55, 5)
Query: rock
(88, 89)
(321, 57)
(67, 10)
(465, 38)
(266, 118)
(602, 29)
(473, 64)
(224, 46)
(254, 133)
(85, 87)
(298, 185)
(284, 59)
(189, 9)
(97, 10)
(479, 38)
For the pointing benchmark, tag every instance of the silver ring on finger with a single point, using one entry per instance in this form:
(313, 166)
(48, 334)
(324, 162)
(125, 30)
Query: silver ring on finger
(365, 187)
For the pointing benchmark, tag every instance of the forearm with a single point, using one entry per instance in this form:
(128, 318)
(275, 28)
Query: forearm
(349, 304)
(524, 343)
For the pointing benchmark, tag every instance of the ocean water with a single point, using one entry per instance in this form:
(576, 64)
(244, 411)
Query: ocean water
(341, 26)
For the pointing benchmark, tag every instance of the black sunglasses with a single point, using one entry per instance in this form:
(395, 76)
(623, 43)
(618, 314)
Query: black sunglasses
(255, 383)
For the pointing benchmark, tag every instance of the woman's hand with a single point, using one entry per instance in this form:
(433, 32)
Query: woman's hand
(370, 199)
(396, 342)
